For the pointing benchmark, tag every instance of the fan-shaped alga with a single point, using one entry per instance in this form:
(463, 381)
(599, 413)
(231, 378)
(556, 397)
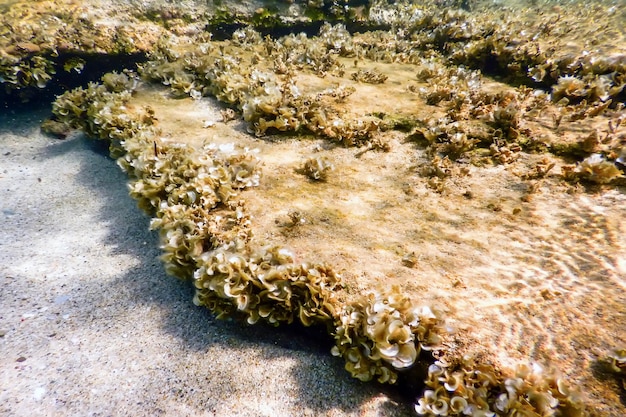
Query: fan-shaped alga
(194, 193)
(193, 196)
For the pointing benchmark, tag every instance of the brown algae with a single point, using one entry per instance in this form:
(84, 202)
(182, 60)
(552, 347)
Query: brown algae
(472, 175)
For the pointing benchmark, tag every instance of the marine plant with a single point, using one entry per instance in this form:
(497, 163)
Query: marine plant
(595, 169)
(264, 284)
(369, 76)
(317, 168)
(269, 98)
(205, 232)
(40, 40)
(468, 388)
(383, 333)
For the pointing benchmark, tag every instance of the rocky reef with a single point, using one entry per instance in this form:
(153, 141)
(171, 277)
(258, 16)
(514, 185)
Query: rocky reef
(262, 78)
(482, 87)
(206, 236)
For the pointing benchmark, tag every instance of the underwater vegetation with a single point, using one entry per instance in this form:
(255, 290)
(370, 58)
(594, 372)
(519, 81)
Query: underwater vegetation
(268, 98)
(595, 169)
(281, 17)
(369, 76)
(317, 168)
(467, 388)
(382, 330)
(206, 237)
(263, 78)
(45, 42)
(194, 193)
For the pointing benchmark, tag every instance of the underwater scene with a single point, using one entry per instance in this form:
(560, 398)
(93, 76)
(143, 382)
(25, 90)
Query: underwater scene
(399, 208)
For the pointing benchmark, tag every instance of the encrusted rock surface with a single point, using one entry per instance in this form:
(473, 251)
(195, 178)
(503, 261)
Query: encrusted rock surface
(453, 132)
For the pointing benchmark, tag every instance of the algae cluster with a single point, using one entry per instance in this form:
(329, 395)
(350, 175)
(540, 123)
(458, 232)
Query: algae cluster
(204, 229)
(549, 78)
